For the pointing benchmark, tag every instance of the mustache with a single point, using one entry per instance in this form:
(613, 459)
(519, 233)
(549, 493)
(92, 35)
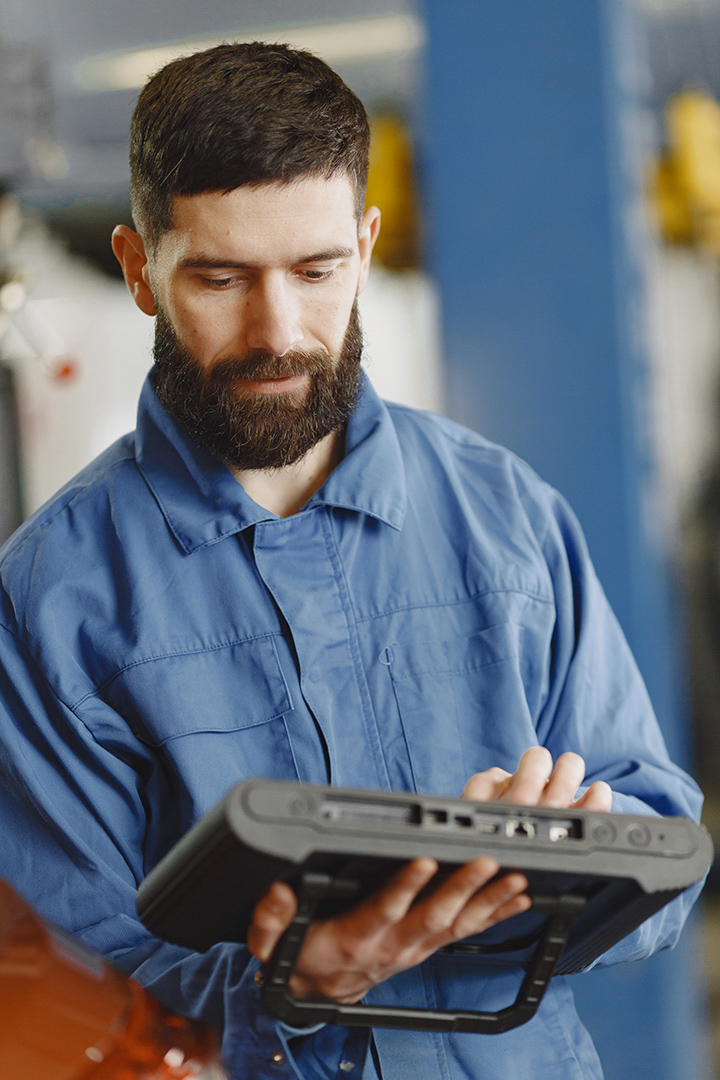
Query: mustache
(262, 365)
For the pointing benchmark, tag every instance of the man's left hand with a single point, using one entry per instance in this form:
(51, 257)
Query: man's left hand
(536, 782)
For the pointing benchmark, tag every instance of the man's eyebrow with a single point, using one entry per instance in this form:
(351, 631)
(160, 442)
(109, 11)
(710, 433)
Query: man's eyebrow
(211, 262)
(329, 256)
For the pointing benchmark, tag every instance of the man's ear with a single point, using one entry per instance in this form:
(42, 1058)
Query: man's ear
(130, 253)
(368, 234)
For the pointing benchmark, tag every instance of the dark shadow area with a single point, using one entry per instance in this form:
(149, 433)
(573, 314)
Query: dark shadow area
(85, 227)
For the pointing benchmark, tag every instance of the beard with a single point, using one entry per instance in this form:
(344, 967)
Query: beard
(247, 430)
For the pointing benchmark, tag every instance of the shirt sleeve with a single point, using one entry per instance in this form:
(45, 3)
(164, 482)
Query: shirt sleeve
(597, 705)
(71, 844)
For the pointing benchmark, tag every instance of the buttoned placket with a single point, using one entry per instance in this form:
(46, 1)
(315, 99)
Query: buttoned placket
(298, 562)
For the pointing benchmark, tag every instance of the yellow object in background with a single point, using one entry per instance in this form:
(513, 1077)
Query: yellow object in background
(685, 187)
(391, 186)
(670, 203)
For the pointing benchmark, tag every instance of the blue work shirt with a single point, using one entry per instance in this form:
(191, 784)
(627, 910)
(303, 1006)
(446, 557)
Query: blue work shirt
(431, 612)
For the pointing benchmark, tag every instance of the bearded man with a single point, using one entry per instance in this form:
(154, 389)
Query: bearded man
(279, 575)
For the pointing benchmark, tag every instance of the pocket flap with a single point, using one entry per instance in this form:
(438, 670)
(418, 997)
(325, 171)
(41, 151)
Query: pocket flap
(225, 688)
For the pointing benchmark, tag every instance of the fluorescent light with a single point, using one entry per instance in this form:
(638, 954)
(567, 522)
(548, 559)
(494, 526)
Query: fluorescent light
(351, 41)
(672, 5)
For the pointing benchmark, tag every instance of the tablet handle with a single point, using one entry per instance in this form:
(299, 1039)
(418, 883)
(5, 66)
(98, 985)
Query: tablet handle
(561, 911)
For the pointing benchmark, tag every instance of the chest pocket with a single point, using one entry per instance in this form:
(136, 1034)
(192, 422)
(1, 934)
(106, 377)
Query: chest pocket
(462, 705)
(218, 714)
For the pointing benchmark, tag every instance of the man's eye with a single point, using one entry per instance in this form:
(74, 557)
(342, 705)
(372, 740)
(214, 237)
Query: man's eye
(316, 275)
(220, 283)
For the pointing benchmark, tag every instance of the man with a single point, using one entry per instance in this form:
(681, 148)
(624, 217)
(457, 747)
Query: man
(278, 575)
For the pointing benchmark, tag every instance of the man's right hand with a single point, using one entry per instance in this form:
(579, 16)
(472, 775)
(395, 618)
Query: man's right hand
(344, 957)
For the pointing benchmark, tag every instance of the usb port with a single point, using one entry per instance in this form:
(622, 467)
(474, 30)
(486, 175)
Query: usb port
(565, 830)
(438, 816)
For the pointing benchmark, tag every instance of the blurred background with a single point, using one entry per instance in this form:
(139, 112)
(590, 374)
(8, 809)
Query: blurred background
(548, 273)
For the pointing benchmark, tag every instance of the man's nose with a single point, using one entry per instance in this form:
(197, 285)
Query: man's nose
(273, 319)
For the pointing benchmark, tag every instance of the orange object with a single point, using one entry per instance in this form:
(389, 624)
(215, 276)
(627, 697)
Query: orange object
(65, 1014)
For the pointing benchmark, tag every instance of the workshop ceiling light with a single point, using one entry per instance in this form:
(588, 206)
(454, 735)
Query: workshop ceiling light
(350, 41)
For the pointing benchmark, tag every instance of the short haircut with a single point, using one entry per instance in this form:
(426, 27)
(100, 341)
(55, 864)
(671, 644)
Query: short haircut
(246, 113)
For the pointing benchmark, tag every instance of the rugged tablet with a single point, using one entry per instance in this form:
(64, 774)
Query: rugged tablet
(593, 878)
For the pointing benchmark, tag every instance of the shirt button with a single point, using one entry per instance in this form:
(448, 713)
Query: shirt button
(277, 1058)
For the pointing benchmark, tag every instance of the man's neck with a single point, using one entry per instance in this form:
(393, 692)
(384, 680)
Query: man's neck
(286, 490)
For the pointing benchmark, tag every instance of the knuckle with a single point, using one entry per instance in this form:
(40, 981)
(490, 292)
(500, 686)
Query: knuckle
(347, 946)
(393, 909)
(435, 921)
(464, 926)
(555, 802)
(464, 922)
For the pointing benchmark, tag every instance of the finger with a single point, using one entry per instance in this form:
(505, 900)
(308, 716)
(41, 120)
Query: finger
(271, 918)
(566, 778)
(439, 910)
(597, 797)
(391, 904)
(469, 906)
(528, 782)
(486, 786)
(500, 900)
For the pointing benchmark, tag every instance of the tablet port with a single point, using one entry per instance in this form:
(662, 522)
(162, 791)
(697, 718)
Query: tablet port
(485, 824)
(571, 829)
(519, 827)
(355, 812)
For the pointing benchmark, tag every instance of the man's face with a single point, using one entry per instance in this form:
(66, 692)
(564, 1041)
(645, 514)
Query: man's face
(249, 429)
(257, 338)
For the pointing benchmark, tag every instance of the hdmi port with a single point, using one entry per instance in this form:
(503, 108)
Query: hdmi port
(485, 824)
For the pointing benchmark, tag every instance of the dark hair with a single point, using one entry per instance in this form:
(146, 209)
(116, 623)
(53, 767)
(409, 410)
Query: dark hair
(237, 114)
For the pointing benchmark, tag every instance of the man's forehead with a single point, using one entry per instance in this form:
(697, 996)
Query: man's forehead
(277, 220)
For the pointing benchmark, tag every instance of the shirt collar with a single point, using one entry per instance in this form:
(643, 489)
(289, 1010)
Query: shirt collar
(202, 501)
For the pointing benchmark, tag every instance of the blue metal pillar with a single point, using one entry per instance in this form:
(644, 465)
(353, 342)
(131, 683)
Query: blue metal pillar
(533, 186)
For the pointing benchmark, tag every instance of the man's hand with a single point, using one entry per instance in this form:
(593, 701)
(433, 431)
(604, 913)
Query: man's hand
(392, 930)
(537, 783)
(344, 957)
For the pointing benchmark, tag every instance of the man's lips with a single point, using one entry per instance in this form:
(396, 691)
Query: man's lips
(272, 386)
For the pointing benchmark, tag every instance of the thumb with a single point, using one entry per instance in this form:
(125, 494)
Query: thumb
(271, 918)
